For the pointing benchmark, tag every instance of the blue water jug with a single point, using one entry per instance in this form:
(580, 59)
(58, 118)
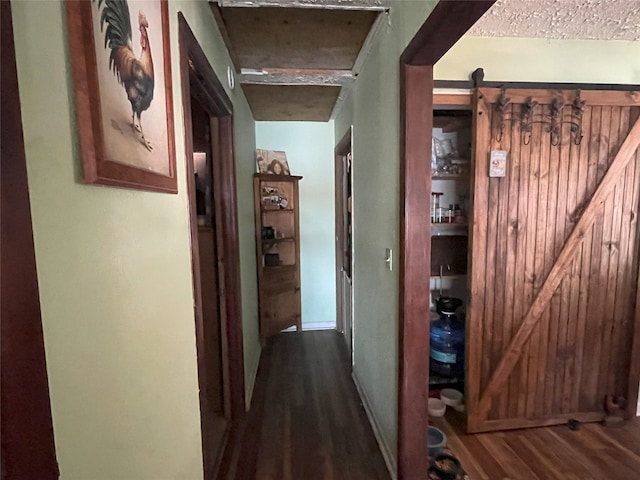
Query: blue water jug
(447, 341)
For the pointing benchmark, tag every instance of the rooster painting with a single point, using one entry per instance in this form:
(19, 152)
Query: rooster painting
(135, 74)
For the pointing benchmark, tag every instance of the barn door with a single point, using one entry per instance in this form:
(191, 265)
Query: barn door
(554, 256)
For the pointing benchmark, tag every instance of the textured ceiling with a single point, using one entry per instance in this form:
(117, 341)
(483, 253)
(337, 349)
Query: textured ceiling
(562, 19)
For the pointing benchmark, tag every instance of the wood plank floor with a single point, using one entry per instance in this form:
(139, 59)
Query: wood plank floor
(551, 453)
(306, 421)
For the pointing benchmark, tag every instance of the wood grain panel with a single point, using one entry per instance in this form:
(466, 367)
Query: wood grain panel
(324, 38)
(291, 102)
(557, 246)
(592, 97)
(478, 237)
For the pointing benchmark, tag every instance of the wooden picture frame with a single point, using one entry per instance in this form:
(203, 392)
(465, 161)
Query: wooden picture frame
(273, 162)
(112, 105)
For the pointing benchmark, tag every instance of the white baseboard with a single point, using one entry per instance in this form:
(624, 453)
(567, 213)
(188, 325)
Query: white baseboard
(248, 392)
(387, 454)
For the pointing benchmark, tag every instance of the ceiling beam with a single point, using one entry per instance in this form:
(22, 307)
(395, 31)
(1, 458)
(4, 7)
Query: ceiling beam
(291, 76)
(380, 5)
(381, 19)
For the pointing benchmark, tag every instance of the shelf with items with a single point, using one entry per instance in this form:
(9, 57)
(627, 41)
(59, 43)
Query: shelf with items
(278, 240)
(450, 176)
(449, 227)
(278, 252)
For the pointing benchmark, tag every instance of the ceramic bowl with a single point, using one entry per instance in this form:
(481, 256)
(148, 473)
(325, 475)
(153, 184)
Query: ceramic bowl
(451, 397)
(436, 441)
(436, 407)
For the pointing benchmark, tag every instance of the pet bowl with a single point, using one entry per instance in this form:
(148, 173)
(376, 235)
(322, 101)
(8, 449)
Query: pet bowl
(436, 407)
(436, 441)
(446, 466)
(451, 397)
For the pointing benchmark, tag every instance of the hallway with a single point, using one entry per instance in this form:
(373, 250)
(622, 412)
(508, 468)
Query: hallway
(306, 420)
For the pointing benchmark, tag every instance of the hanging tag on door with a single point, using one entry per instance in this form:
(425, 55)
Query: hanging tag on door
(498, 163)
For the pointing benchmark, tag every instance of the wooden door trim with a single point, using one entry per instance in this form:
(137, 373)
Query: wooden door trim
(342, 148)
(211, 94)
(414, 261)
(591, 97)
(445, 25)
(28, 445)
(634, 370)
(513, 352)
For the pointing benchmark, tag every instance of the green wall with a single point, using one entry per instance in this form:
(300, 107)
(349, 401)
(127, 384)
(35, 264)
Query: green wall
(541, 60)
(374, 110)
(309, 147)
(114, 270)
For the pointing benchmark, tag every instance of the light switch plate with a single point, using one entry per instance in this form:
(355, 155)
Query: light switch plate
(388, 252)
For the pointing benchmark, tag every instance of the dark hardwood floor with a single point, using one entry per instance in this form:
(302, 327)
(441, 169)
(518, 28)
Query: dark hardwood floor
(306, 421)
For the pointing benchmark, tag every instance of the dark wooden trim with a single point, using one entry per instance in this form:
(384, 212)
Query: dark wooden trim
(415, 258)
(342, 148)
(469, 84)
(199, 80)
(232, 295)
(28, 448)
(444, 26)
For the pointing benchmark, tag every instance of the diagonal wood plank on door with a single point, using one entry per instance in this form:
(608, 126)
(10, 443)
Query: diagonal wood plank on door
(559, 270)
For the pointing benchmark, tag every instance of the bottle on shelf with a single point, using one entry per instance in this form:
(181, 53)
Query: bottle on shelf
(436, 210)
(449, 215)
(458, 214)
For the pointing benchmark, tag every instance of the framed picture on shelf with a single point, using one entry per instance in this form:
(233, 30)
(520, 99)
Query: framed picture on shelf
(124, 108)
(272, 161)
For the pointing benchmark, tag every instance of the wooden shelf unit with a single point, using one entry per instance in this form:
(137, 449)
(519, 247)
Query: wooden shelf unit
(449, 241)
(277, 252)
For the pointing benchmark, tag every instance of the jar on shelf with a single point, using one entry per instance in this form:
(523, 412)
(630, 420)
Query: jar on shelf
(436, 210)
(449, 214)
(458, 214)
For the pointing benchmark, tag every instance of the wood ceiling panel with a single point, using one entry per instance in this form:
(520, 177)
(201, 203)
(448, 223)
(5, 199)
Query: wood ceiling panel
(301, 38)
(291, 102)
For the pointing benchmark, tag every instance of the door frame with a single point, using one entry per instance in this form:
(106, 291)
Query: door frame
(200, 81)
(28, 444)
(443, 27)
(343, 148)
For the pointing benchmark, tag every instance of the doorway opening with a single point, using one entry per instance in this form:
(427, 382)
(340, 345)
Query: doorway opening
(208, 119)
(344, 240)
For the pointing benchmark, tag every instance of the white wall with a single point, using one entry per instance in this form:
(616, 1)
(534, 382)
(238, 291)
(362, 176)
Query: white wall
(309, 148)
(114, 272)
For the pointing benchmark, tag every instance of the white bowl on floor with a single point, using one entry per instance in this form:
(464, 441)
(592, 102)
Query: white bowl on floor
(451, 397)
(436, 407)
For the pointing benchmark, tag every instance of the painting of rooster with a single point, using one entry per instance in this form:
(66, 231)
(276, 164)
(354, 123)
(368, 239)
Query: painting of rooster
(130, 54)
(120, 55)
(135, 74)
